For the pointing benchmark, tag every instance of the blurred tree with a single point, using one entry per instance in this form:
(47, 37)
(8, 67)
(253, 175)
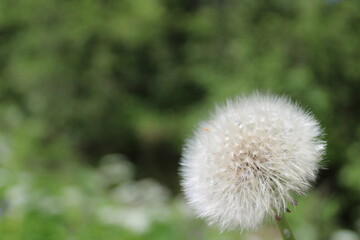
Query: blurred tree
(135, 76)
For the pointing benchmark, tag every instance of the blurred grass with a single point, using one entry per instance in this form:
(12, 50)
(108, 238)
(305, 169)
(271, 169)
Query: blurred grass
(96, 98)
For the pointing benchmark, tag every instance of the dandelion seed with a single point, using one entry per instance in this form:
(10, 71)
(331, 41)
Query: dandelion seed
(261, 151)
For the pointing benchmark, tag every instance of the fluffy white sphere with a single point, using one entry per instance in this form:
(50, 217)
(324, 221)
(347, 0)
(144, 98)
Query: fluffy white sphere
(247, 161)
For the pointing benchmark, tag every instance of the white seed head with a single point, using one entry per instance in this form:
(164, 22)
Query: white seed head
(247, 161)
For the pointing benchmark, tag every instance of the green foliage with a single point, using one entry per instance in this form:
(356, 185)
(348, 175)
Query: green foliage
(83, 79)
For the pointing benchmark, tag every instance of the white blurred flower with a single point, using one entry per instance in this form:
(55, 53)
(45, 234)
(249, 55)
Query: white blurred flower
(50, 204)
(135, 219)
(245, 162)
(136, 205)
(20, 189)
(115, 168)
(72, 196)
(146, 191)
(344, 234)
(17, 195)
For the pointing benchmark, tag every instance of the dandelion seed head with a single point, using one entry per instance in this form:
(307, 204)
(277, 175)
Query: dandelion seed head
(247, 161)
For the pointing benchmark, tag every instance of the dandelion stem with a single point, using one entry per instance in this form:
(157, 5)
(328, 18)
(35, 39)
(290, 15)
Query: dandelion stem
(284, 228)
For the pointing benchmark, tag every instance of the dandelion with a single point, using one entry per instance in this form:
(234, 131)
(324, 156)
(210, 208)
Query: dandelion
(249, 159)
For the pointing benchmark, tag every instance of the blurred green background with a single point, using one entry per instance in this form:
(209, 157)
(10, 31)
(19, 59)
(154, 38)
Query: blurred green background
(97, 97)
